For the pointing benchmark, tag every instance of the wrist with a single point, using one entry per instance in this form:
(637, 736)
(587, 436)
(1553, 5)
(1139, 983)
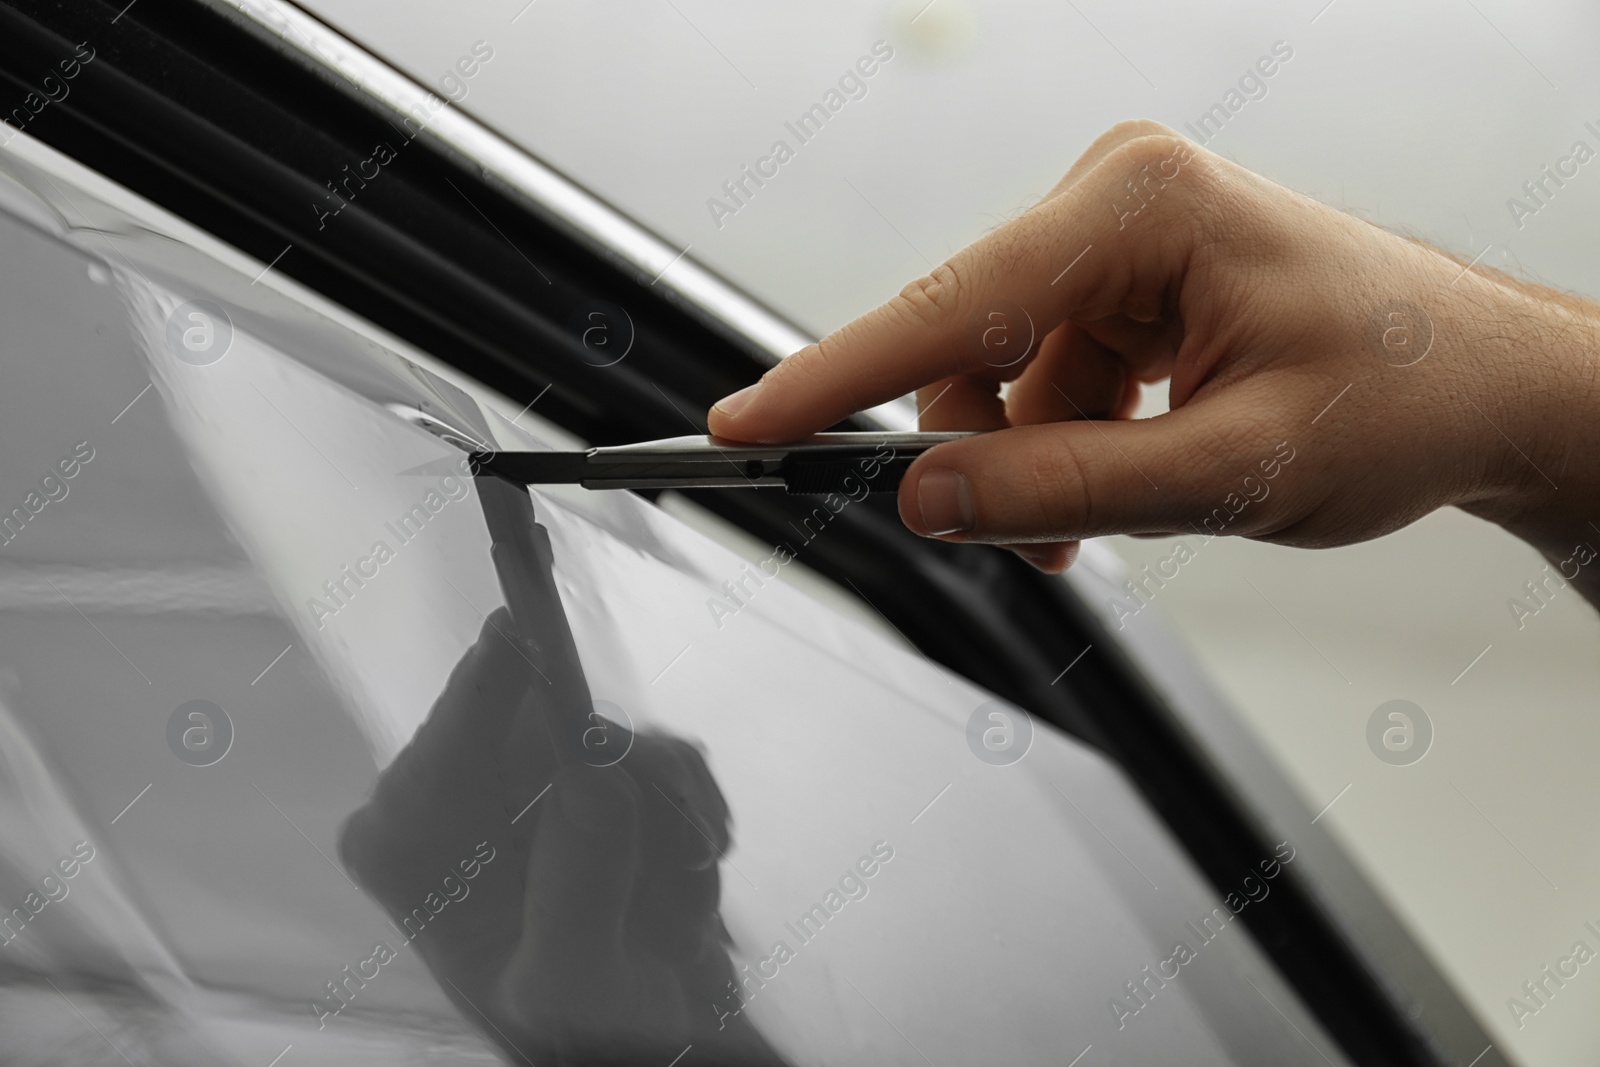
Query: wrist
(1539, 418)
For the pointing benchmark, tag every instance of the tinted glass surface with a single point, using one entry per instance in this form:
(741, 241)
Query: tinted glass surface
(282, 776)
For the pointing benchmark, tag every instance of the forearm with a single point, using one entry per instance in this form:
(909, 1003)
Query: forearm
(1548, 343)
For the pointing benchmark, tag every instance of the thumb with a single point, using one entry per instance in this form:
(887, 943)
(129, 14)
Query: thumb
(1070, 480)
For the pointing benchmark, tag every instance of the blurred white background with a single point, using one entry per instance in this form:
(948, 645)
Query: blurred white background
(1425, 117)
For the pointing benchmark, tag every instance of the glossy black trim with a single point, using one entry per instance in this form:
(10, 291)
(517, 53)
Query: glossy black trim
(190, 109)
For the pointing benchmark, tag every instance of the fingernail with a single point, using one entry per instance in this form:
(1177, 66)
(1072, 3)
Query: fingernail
(944, 497)
(737, 402)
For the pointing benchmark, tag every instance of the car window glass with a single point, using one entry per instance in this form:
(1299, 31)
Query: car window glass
(276, 773)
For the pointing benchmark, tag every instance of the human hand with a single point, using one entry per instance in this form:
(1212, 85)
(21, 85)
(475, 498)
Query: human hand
(1330, 381)
(591, 932)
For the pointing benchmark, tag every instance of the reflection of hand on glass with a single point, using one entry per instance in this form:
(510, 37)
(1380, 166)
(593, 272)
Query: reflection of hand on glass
(588, 926)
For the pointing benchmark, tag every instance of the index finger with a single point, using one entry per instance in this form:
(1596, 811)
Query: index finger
(1115, 240)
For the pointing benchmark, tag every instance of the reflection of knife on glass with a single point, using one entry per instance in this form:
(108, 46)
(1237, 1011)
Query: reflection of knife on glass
(850, 463)
(599, 938)
(524, 565)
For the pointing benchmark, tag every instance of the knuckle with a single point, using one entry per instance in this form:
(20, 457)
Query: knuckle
(1130, 130)
(827, 369)
(1105, 144)
(933, 299)
(827, 363)
(1156, 161)
(1121, 167)
(1160, 174)
(812, 364)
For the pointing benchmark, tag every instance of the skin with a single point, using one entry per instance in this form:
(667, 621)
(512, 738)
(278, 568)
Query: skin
(1466, 387)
